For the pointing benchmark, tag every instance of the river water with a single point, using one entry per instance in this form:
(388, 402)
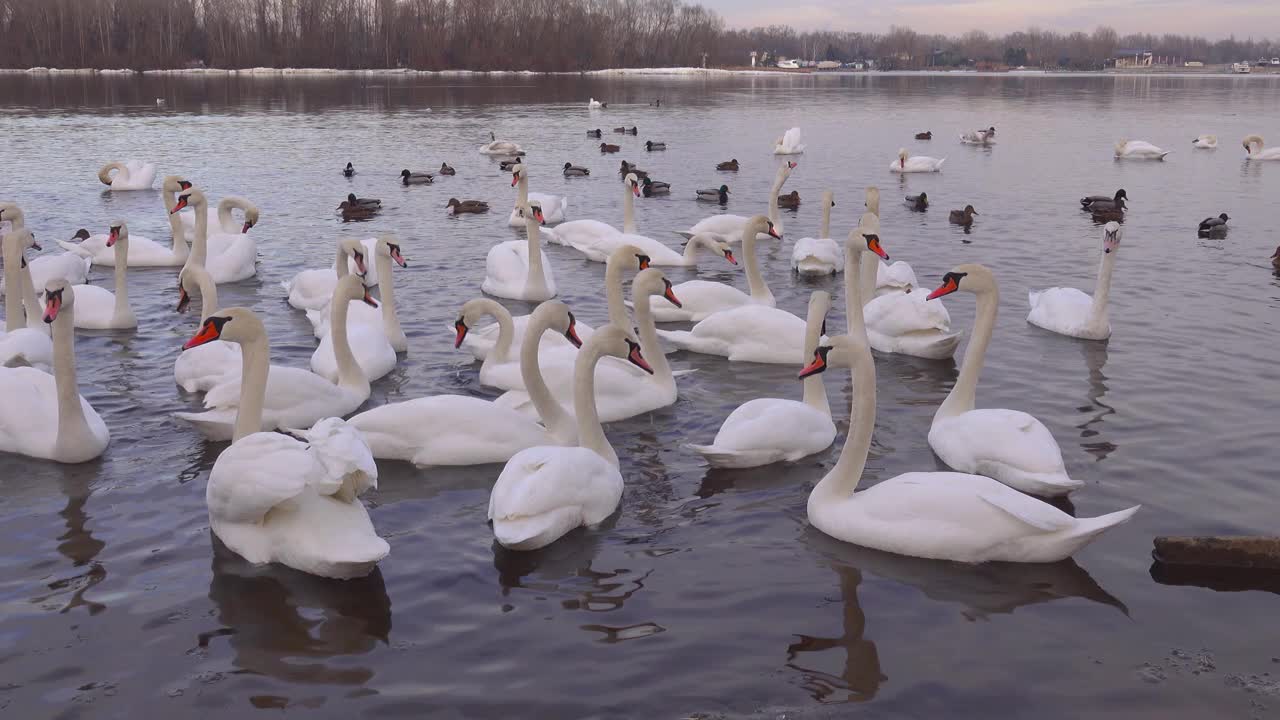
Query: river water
(708, 594)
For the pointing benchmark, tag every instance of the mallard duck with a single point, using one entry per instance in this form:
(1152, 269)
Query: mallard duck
(926, 135)
(607, 148)
(595, 133)
(446, 170)
(1100, 202)
(357, 202)
(652, 187)
(731, 165)
(626, 130)
(413, 178)
(963, 217)
(457, 207)
(507, 165)
(571, 170)
(919, 203)
(651, 145)
(349, 170)
(1213, 226)
(1110, 214)
(791, 200)
(359, 212)
(720, 195)
(631, 168)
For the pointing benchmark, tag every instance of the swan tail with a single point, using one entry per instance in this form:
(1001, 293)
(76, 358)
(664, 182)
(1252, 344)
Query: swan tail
(287, 285)
(533, 532)
(1086, 529)
(723, 458)
(939, 165)
(682, 339)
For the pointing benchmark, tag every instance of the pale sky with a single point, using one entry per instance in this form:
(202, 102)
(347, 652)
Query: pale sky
(1259, 18)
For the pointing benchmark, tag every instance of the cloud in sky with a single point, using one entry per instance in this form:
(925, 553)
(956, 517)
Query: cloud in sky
(1243, 18)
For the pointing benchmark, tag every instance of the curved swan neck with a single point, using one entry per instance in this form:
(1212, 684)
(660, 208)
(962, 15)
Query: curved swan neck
(226, 223)
(14, 317)
(199, 253)
(387, 294)
(501, 352)
(71, 420)
(842, 481)
(815, 390)
(650, 347)
(1102, 290)
(350, 376)
(963, 395)
(590, 433)
(853, 284)
(613, 295)
(773, 198)
(559, 424)
(827, 199)
(255, 359)
(208, 294)
(628, 209)
(757, 286)
(522, 191)
(537, 276)
(869, 272)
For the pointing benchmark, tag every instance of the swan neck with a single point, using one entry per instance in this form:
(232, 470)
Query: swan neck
(628, 210)
(387, 294)
(226, 224)
(773, 199)
(559, 424)
(537, 279)
(32, 303)
(825, 230)
(650, 347)
(853, 284)
(842, 481)
(868, 277)
(963, 395)
(71, 420)
(590, 433)
(350, 376)
(339, 262)
(14, 316)
(208, 295)
(815, 390)
(254, 368)
(199, 253)
(757, 286)
(501, 352)
(121, 310)
(1102, 290)
(614, 296)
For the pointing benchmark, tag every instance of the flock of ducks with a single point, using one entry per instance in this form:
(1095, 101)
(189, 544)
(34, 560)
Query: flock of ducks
(287, 488)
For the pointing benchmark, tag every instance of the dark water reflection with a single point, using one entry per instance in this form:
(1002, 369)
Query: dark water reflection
(707, 592)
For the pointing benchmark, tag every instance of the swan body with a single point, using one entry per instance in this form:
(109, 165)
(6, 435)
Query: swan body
(1139, 150)
(227, 258)
(730, 226)
(70, 266)
(1068, 311)
(129, 175)
(1255, 149)
(916, 163)
(906, 323)
(501, 147)
(789, 143)
(702, 298)
(204, 366)
(554, 207)
(143, 252)
(21, 345)
(375, 336)
(520, 269)
(313, 289)
(748, 333)
(1205, 142)
(979, 137)
(1007, 445)
(101, 309)
(820, 255)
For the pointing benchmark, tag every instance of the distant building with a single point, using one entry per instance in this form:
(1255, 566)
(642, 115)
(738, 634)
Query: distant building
(1133, 58)
(1194, 64)
(754, 56)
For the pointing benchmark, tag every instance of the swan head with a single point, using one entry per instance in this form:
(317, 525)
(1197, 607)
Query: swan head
(250, 218)
(711, 241)
(1253, 140)
(118, 232)
(57, 298)
(190, 279)
(841, 351)
(355, 250)
(653, 282)
(13, 213)
(902, 157)
(388, 247)
(758, 224)
(616, 342)
(190, 196)
(22, 238)
(517, 171)
(626, 254)
(870, 241)
(633, 182)
(175, 183)
(237, 325)
(969, 277)
(351, 287)
(1111, 234)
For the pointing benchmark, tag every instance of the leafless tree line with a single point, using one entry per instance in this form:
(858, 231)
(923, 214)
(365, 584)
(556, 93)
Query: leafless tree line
(538, 35)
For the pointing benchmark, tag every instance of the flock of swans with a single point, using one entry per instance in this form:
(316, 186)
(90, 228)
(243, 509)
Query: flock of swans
(287, 488)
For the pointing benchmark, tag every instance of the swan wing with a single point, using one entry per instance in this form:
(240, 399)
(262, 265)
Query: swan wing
(255, 474)
(989, 441)
(344, 456)
(547, 479)
(898, 314)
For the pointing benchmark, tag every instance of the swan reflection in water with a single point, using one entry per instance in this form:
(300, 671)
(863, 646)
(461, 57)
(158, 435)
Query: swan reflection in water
(77, 544)
(1095, 357)
(285, 624)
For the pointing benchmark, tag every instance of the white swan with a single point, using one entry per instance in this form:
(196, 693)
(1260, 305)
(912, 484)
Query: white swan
(935, 515)
(385, 251)
(621, 391)
(1008, 445)
(129, 175)
(24, 342)
(143, 252)
(546, 491)
(820, 255)
(313, 289)
(701, 298)
(594, 104)
(461, 430)
(729, 227)
(1256, 149)
(43, 416)
(769, 430)
(519, 269)
(1205, 142)
(1138, 150)
(274, 499)
(501, 147)
(70, 266)
(294, 398)
(979, 137)
(915, 163)
(102, 309)
(905, 323)
(203, 367)
(235, 257)
(372, 333)
(746, 333)
(789, 143)
(553, 207)
(1069, 311)
(585, 233)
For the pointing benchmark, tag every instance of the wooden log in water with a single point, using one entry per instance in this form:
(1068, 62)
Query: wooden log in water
(1255, 552)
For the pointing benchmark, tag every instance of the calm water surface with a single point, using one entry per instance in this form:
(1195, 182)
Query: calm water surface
(708, 593)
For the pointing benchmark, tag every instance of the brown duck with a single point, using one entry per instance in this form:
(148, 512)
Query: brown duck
(731, 166)
(1108, 214)
(446, 170)
(631, 168)
(926, 135)
(607, 148)
(626, 130)
(457, 207)
(963, 217)
(791, 200)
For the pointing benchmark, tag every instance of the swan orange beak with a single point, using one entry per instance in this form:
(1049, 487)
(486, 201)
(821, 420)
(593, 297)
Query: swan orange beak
(670, 295)
(873, 244)
(395, 255)
(728, 255)
(183, 300)
(360, 267)
(635, 358)
(35, 245)
(52, 305)
(818, 365)
(180, 205)
(774, 232)
(461, 327)
(644, 261)
(113, 236)
(572, 333)
(537, 215)
(368, 299)
(635, 189)
(948, 287)
(208, 333)
(515, 178)
(247, 227)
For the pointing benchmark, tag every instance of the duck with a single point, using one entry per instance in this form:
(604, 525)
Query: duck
(519, 269)
(1138, 150)
(313, 289)
(789, 143)
(926, 135)
(501, 147)
(919, 202)
(1071, 312)
(979, 137)
(651, 146)
(820, 255)
(626, 130)
(73, 266)
(128, 175)
(630, 168)
(358, 202)
(201, 368)
(764, 431)
(276, 499)
(44, 416)
(962, 217)
(790, 201)
(728, 166)
(1089, 203)
(901, 322)
(595, 133)
(358, 212)
(730, 226)
(507, 165)
(915, 164)
(607, 148)
(457, 207)
(446, 170)
(554, 207)
(1007, 445)
(101, 309)
(453, 430)
(285, 397)
(1255, 149)
(416, 178)
(594, 104)
(652, 187)
(1215, 227)
(703, 298)
(719, 195)
(25, 341)
(1275, 259)
(571, 170)
(952, 516)
(373, 330)
(349, 170)
(1108, 214)
(544, 492)
(228, 258)
(1205, 142)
